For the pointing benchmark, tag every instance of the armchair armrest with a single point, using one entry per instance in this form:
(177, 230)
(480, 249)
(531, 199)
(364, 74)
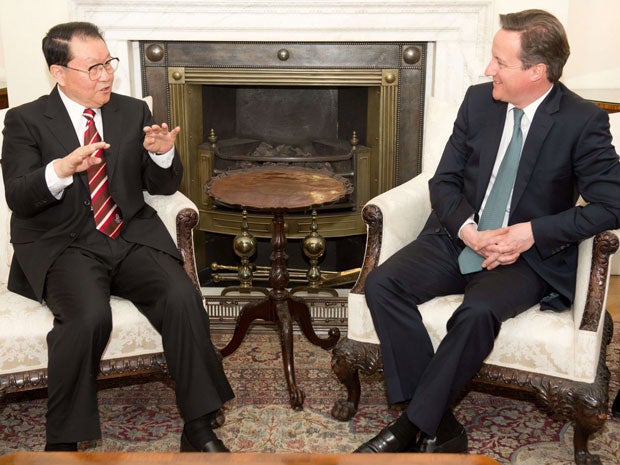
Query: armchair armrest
(393, 219)
(593, 270)
(180, 216)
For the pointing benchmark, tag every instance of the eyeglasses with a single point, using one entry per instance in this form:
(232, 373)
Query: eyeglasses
(94, 72)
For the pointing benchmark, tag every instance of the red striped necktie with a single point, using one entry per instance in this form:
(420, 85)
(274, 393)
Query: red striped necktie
(108, 218)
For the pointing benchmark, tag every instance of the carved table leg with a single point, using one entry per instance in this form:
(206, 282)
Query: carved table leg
(285, 326)
(249, 313)
(301, 313)
(348, 357)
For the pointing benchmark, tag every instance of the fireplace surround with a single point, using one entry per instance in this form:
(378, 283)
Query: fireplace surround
(457, 37)
(355, 108)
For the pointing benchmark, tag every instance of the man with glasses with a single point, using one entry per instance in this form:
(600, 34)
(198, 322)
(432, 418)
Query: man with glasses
(75, 163)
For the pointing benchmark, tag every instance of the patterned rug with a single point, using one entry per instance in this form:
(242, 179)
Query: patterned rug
(140, 414)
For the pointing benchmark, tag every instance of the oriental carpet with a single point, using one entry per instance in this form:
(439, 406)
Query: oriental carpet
(140, 414)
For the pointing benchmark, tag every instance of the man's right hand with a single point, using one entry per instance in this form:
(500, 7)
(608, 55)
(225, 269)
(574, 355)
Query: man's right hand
(79, 160)
(479, 241)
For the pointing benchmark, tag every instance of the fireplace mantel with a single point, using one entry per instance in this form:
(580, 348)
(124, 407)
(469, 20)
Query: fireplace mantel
(460, 31)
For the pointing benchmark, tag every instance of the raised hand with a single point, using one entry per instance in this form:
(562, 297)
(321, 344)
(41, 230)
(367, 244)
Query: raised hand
(158, 139)
(79, 160)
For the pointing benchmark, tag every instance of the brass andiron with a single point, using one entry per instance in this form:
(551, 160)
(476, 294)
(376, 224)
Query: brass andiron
(244, 246)
(314, 247)
(314, 280)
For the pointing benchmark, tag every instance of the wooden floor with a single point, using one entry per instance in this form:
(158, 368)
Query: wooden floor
(613, 298)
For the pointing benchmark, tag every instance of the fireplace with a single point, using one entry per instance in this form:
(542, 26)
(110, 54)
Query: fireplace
(355, 109)
(153, 39)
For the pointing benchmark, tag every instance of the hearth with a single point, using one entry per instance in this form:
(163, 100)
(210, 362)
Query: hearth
(353, 108)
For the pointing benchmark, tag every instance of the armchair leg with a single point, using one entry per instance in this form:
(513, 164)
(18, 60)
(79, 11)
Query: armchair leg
(348, 357)
(580, 443)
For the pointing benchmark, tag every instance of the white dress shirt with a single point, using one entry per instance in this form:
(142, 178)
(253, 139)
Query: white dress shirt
(56, 184)
(528, 116)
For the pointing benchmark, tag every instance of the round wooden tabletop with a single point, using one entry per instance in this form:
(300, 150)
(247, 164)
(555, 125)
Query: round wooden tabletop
(277, 188)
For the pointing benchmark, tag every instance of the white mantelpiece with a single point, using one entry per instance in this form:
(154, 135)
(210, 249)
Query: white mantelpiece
(461, 31)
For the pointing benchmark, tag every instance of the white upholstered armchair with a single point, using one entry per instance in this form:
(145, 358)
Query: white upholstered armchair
(560, 357)
(134, 346)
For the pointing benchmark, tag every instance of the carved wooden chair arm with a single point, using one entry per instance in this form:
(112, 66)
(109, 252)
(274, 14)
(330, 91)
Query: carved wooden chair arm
(180, 215)
(605, 244)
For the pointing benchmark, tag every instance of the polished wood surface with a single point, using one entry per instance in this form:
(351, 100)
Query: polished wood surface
(279, 190)
(156, 458)
(4, 98)
(613, 297)
(607, 99)
(283, 188)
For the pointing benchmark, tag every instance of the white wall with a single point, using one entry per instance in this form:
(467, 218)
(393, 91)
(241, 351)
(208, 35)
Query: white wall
(2, 70)
(591, 25)
(22, 27)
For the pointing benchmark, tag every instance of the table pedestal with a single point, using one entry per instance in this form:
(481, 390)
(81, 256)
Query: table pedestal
(281, 308)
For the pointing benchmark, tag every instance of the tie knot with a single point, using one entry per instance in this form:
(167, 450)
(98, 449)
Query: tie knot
(517, 113)
(88, 113)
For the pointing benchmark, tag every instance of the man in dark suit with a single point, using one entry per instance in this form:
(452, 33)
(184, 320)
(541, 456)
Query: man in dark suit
(75, 164)
(524, 138)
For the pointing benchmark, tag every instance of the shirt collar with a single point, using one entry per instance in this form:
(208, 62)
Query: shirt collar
(530, 110)
(76, 111)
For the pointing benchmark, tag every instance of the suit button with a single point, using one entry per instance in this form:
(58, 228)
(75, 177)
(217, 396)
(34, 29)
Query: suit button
(72, 235)
(87, 203)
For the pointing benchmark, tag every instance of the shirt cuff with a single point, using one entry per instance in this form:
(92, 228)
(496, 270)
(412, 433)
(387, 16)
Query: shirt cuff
(469, 220)
(55, 184)
(163, 160)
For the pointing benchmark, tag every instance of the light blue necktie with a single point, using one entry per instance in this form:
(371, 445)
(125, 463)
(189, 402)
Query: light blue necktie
(494, 211)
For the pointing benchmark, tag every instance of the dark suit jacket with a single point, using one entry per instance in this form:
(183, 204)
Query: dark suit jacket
(42, 226)
(567, 153)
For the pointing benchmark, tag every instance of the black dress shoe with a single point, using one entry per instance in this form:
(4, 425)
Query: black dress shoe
(61, 447)
(215, 445)
(385, 441)
(457, 444)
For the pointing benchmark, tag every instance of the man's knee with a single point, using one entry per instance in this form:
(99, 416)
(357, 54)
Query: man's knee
(480, 319)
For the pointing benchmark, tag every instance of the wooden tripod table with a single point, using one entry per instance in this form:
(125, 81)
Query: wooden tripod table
(279, 190)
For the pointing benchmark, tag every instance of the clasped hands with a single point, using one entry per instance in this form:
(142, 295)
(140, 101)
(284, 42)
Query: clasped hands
(501, 246)
(157, 139)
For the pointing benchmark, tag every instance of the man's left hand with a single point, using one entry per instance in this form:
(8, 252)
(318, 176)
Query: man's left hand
(509, 247)
(158, 139)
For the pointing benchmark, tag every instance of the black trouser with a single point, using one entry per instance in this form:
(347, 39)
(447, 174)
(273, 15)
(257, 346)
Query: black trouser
(78, 289)
(425, 269)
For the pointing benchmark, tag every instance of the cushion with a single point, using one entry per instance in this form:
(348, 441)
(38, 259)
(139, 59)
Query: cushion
(523, 342)
(438, 123)
(25, 324)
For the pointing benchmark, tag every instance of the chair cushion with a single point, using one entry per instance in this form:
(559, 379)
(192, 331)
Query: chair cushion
(25, 324)
(523, 342)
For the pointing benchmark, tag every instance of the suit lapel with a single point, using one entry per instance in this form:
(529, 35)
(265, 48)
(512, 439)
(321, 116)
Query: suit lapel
(113, 129)
(493, 134)
(61, 127)
(59, 122)
(539, 128)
